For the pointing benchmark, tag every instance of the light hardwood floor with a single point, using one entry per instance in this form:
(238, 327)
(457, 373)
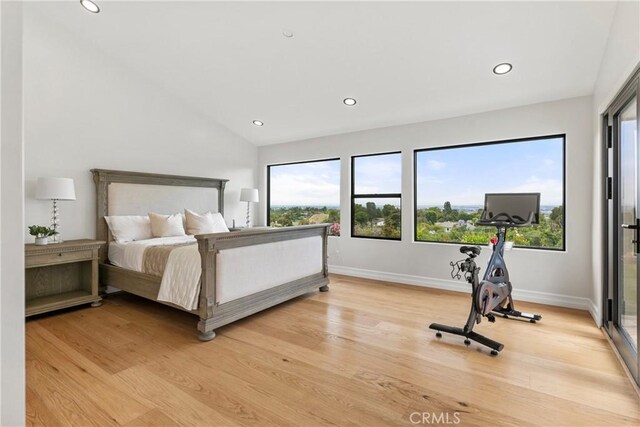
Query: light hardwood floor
(360, 354)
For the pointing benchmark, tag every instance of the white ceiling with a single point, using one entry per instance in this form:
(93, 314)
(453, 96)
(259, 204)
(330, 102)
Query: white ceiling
(403, 62)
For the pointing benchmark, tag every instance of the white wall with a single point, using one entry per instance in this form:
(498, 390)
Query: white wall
(562, 278)
(12, 384)
(84, 110)
(621, 56)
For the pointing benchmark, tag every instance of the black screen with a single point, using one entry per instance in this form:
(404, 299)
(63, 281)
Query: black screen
(514, 204)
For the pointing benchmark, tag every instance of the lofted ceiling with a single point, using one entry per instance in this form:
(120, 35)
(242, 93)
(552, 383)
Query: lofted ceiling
(403, 62)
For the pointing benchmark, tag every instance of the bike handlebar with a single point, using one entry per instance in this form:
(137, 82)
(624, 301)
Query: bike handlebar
(503, 219)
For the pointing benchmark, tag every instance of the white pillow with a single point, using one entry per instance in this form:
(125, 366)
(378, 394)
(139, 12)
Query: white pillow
(166, 225)
(127, 228)
(210, 222)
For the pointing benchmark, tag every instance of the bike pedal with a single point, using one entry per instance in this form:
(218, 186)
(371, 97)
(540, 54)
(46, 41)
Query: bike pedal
(491, 318)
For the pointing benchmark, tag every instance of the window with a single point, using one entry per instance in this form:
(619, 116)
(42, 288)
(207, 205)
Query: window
(450, 184)
(376, 196)
(304, 193)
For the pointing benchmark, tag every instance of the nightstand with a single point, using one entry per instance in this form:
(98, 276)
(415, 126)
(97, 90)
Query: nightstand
(61, 275)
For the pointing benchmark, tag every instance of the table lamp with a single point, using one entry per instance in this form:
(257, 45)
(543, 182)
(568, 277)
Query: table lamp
(249, 195)
(55, 189)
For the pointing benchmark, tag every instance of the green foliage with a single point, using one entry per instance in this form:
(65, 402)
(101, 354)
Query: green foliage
(334, 216)
(372, 211)
(431, 217)
(287, 216)
(371, 221)
(41, 231)
(430, 228)
(361, 217)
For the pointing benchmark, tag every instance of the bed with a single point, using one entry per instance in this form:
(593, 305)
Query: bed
(241, 272)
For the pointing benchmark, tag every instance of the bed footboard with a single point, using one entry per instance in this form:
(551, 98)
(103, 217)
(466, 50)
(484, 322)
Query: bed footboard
(214, 313)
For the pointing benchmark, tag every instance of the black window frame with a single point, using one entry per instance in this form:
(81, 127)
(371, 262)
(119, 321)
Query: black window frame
(297, 163)
(563, 136)
(355, 196)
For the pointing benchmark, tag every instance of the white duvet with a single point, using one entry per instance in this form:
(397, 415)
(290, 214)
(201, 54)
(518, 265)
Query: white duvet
(181, 279)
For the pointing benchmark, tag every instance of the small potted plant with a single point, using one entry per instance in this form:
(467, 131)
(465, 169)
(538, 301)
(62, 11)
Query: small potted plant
(41, 233)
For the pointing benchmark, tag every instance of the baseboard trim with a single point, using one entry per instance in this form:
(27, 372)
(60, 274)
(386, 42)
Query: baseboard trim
(595, 313)
(547, 298)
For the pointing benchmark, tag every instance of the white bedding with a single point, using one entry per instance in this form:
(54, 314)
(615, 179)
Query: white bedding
(240, 271)
(181, 279)
(129, 255)
(116, 253)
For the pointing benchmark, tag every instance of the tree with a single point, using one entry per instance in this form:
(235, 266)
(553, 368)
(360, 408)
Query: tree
(334, 215)
(431, 217)
(392, 225)
(388, 210)
(372, 211)
(557, 217)
(361, 217)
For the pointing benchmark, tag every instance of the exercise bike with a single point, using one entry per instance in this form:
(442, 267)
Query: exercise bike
(492, 296)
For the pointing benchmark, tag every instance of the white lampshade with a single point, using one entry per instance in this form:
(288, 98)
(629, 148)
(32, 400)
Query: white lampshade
(249, 195)
(55, 188)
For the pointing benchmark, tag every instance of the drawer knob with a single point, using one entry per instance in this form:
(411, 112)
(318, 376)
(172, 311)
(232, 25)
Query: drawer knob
(60, 254)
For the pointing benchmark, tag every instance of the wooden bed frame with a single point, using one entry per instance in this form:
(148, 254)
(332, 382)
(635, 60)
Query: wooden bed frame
(212, 315)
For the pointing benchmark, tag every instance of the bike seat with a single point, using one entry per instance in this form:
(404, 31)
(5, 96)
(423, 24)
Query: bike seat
(470, 251)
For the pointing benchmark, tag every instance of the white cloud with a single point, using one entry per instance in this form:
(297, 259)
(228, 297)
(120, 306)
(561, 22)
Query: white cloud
(473, 193)
(550, 189)
(436, 165)
(378, 174)
(304, 189)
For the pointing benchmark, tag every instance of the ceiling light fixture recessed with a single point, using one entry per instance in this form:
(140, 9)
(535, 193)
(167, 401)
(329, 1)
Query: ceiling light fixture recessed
(90, 6)
(503, 68)
(258, 123)
(349, 101)
(287, 33)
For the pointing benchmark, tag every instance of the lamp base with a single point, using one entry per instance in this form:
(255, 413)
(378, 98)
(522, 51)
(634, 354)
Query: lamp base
(55, 239)
(248, 223)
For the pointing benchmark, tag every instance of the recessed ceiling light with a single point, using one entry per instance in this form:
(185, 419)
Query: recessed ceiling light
(287, 33)
(90, 6)
(258, 123)
(503, 68)
(349, 101)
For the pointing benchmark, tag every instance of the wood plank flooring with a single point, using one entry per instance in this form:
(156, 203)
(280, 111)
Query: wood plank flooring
(360, 354)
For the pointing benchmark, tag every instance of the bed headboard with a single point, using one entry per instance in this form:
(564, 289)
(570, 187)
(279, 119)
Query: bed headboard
(137, 193)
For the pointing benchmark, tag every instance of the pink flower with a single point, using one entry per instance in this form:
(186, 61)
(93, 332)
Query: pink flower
(334, 230)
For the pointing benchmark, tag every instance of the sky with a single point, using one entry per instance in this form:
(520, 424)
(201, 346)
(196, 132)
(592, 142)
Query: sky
(318, 183)
(306, 184)
(378, 174)
(461, 175)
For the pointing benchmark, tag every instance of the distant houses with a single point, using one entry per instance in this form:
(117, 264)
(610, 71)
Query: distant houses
(448, 225)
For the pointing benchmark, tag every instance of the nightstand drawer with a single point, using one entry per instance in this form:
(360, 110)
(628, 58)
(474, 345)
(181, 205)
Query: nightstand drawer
(58, 258)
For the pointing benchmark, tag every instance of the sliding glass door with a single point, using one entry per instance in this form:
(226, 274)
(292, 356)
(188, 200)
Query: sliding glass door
(623, 223)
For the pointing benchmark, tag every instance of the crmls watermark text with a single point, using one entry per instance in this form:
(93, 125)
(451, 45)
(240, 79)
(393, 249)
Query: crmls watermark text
(435, 418)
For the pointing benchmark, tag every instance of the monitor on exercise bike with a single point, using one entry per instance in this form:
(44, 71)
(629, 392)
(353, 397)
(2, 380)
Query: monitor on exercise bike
(518, 206)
